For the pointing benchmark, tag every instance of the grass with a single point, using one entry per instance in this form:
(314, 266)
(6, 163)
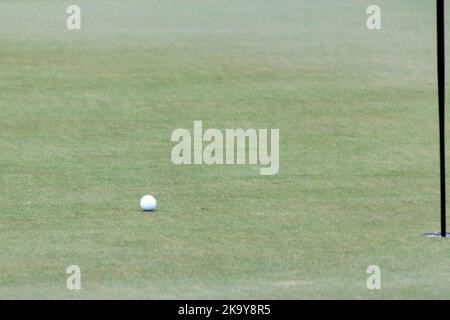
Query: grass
(85, 124)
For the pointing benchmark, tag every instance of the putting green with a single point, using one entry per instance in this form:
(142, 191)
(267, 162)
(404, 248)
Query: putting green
(85, 124)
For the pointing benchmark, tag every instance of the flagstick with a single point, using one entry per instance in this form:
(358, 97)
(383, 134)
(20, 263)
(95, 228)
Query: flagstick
(441, 93)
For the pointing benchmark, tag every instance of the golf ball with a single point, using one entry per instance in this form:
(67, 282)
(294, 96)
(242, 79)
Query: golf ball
(148, 203)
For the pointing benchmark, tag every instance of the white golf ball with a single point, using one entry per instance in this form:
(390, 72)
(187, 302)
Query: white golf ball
(148, 203)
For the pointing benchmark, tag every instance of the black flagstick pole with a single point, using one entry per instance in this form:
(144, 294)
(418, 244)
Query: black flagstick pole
(441, 93)
(441, 98)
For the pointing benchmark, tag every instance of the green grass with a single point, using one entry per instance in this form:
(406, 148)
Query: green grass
(85, 124)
